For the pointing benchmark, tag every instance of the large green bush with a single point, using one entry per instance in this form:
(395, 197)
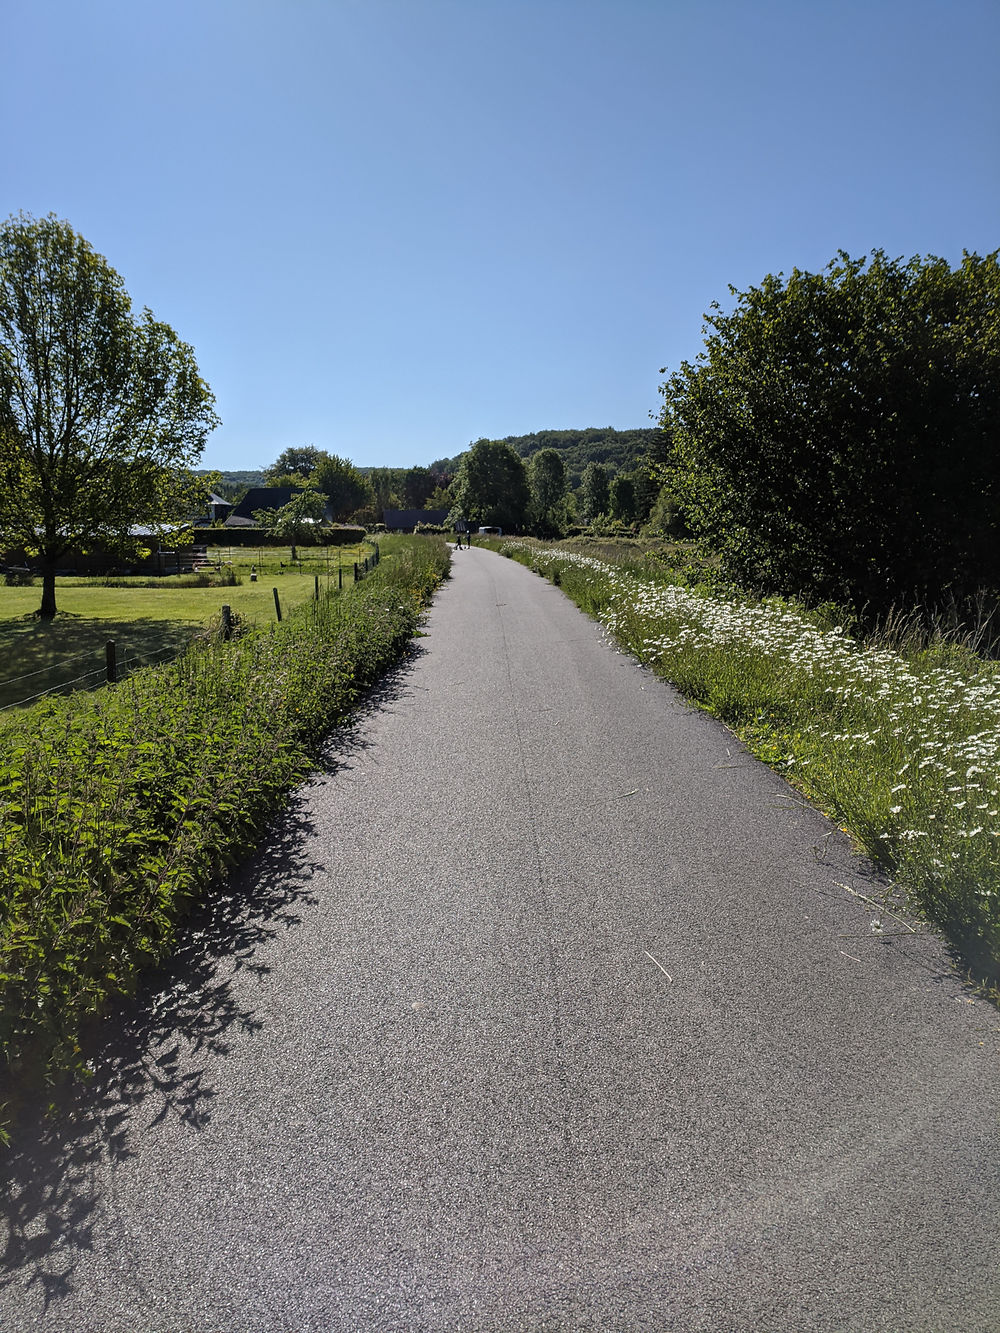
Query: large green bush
(837, 437)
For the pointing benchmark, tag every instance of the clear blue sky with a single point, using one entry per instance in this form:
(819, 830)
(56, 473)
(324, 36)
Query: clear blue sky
(390, 227)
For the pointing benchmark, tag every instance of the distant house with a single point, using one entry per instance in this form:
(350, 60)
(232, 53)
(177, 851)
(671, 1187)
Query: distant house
(217, 511)
(405, 520)
(219, 508)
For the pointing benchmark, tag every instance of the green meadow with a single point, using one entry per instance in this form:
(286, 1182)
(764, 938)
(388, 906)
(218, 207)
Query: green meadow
(149, 619)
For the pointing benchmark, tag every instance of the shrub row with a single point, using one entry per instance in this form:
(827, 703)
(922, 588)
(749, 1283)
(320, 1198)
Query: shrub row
(119, 808)
(251, 537)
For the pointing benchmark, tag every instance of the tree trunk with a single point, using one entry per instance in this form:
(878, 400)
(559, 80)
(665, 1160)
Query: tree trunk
(47, 610)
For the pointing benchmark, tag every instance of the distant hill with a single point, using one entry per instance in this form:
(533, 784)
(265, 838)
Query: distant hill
(618, 450)
(233, 484)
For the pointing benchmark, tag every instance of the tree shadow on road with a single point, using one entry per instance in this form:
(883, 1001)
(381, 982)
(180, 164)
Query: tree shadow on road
(149, 1052)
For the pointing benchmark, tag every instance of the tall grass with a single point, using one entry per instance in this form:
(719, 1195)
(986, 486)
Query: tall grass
(119, 808)
(901, 748)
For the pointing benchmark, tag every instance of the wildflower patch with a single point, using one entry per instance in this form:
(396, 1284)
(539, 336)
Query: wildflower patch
(902, 751)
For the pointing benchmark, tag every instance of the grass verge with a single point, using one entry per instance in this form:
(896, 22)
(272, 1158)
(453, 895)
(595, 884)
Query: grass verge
(900, 749)
(119, 808)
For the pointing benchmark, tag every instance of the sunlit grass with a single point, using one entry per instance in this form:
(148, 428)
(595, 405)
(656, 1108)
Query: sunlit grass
(148, 623)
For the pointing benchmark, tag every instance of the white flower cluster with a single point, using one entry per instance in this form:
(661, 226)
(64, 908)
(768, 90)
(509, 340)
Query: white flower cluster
(934, 733)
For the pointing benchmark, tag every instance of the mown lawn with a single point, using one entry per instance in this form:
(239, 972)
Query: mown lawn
(147, 624)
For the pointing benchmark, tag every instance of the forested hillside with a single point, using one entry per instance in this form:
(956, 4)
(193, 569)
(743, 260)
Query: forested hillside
(618, 450)
(232, 485)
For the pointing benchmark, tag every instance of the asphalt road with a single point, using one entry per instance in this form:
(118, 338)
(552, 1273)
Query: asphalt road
(547, 1009)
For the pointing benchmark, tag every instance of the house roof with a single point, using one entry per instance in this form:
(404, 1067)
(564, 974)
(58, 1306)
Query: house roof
(409, 518)
(261, 497)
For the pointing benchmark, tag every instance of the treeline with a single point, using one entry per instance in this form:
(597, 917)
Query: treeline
(617, 450)
(381, 487)
(495, 486)
(325, 481)
(232, 486)
(608, 453)
(545, 483)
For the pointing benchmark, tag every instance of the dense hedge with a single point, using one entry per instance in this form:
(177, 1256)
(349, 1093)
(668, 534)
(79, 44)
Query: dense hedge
(249, 537)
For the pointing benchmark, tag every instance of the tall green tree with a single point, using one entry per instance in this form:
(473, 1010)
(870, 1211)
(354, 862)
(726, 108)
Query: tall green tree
(838, 435)
(102, 415)
(418, 482)
(387, 488)
(491, 488)
(547, 483)
(595, 491)
(296, 461)
(348, 489)
(441, 497)
(647, 476)
(622, 498)
(298, 521)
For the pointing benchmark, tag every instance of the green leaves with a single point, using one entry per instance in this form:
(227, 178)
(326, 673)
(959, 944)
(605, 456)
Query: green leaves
(491, 487)
(836, 437)
(100, 413)
(595, 492)
(296, 519)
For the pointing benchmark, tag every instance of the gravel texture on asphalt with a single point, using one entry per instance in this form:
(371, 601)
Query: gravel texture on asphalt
(547, 1008)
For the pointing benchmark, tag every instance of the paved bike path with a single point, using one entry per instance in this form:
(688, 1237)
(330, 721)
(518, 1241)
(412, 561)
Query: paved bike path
(548, 1009)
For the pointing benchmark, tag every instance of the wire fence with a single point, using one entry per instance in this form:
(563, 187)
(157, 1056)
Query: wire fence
(114, 668)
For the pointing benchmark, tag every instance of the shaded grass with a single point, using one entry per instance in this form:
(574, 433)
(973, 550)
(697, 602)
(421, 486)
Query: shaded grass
(39, 656)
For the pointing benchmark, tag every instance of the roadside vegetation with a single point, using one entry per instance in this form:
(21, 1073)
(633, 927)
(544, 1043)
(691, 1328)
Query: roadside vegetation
(898, 745)
(831, 452)
(119, 808)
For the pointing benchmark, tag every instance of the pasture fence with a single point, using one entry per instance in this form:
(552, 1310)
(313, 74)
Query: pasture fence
(120, 661)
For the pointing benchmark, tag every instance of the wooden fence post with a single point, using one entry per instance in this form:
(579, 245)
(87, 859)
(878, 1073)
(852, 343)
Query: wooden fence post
(227, 623)
(277, 605)
(316, 594)
(112, 662)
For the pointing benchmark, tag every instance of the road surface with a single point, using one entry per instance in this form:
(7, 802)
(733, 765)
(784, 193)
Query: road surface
(547, 1008)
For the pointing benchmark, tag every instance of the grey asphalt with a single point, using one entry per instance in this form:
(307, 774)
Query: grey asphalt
(547, 1009)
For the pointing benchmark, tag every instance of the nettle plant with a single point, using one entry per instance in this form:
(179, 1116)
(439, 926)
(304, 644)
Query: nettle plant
(120, 808)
